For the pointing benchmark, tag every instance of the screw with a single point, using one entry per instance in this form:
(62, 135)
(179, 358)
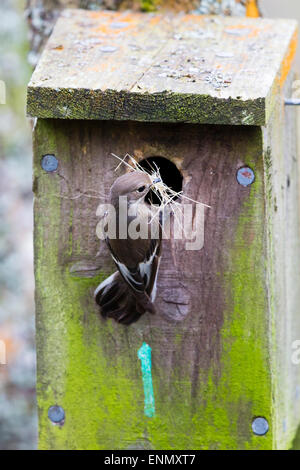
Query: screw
(260, 426)
(245, 176)
(56, 414)
(49, 163)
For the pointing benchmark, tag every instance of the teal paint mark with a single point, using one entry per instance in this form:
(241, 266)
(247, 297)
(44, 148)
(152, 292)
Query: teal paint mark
(144, 354)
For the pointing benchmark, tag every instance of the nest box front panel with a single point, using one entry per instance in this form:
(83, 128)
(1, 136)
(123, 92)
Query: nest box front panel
(210, 367)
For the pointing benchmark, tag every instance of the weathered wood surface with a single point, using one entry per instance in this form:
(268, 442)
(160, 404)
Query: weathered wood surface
(227, 314)
(283, 268)
(210, 339)
(186, 68)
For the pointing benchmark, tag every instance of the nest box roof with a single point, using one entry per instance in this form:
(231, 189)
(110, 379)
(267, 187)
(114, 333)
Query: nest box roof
(175, 68)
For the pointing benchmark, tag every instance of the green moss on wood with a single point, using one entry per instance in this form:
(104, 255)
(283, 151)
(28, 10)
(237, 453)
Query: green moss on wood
(159, 107)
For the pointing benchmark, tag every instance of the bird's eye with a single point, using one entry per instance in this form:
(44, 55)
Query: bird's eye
(141, 189)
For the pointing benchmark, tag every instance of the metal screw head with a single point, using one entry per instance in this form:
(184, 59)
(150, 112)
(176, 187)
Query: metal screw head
(260, 426)
(56, 414)
(49, 163)
(245, 176)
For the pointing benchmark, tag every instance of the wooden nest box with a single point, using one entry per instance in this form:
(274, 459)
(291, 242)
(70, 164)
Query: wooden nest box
(205, 96)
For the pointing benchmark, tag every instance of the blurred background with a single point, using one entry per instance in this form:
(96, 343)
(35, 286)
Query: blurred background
(25, 25)
(18, 421)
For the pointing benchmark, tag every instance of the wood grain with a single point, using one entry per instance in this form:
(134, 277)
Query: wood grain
(176, 68)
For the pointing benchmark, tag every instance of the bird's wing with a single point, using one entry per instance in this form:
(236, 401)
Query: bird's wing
(142, 277)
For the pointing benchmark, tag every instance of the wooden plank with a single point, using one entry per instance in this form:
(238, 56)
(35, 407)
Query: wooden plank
(211, 336)
(133, 66)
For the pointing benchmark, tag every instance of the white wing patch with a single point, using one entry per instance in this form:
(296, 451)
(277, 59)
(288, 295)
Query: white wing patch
(145, 268)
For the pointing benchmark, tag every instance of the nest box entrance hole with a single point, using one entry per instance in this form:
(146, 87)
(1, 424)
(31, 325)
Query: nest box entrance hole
(169, 172)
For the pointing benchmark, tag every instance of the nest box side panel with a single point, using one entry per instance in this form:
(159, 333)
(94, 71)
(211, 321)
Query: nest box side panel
(210, 337)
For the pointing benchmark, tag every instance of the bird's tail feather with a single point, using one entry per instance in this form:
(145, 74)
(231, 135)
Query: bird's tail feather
(118, 301)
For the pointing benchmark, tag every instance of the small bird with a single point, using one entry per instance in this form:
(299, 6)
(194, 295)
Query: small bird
(130, 292)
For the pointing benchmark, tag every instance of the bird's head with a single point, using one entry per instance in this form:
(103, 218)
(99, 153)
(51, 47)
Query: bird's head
(135, 186)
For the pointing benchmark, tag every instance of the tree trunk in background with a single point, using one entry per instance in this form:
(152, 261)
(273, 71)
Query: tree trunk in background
(42, 14)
